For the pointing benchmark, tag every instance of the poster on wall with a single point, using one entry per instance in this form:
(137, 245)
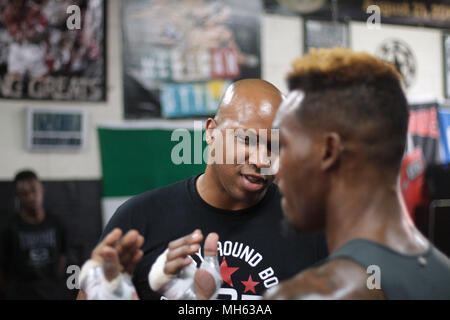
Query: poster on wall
(325, 34)
(43, 57)
(422, 150)
(179, 56)
(423, 130)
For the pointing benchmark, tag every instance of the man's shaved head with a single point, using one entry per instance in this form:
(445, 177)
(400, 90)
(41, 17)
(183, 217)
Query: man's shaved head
(248, 100)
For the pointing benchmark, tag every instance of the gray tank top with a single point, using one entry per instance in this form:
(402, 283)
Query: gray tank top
(403, 276)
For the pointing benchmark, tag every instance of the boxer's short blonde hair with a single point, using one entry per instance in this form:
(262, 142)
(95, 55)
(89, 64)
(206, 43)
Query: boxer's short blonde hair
(338, 66)
(357, 95)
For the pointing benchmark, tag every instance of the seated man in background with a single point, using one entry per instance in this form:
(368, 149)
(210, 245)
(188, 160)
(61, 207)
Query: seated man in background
(342, 138)
(32, 246)
(235, 203)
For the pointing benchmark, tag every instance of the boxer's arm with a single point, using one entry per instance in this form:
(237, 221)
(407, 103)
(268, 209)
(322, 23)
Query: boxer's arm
(338, 279)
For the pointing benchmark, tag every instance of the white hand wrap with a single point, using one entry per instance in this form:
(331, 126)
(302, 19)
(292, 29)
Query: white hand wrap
(96, 287)
(181, 286)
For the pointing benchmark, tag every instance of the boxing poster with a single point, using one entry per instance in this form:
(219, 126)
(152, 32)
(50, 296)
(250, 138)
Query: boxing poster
(423, 130)
(51, 52)
(179, 56)
(422, 150)
(412, 181)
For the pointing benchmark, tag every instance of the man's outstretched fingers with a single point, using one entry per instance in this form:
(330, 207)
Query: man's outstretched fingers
(112, 237)
(210, 246)
(129, 268)
(110, 240)
(174, 266)
(128, 241)
(111, 264)
(128, 246)
(182, 252)
(193, 238)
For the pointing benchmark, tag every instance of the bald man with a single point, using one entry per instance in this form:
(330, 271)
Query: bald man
(234, 202)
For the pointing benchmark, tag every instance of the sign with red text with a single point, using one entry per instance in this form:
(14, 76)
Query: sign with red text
(424, 130)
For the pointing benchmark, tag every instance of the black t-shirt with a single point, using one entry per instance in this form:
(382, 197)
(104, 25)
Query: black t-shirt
(254, 252)
(30, 257)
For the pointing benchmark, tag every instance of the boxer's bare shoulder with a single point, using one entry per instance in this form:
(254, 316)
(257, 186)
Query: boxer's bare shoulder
(337, 279)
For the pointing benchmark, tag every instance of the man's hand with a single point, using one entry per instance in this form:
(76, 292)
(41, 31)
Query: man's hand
(174, 275)
(119, 254)
(180, 250)
(205, 285)
(117, 257)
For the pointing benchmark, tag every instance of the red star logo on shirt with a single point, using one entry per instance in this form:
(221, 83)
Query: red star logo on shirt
(227, 271)
(250, 285)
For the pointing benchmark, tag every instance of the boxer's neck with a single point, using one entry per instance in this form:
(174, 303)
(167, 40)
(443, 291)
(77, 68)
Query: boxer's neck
(373, 210)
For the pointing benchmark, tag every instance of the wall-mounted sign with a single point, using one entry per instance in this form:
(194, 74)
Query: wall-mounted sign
(423, 128)
(325, 34)
(50, 129)
(424, 13)
(415, 52)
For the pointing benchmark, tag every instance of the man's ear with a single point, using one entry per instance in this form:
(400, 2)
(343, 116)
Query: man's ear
(331, 151)
(210, 126)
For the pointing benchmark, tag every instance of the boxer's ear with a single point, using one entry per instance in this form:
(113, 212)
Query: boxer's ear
(210, 126)
(331, 152)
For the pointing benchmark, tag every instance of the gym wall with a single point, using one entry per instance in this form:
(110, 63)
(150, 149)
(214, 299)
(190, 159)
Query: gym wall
(73, 179)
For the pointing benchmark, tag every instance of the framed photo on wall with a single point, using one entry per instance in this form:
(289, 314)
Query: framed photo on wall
(45, 56)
